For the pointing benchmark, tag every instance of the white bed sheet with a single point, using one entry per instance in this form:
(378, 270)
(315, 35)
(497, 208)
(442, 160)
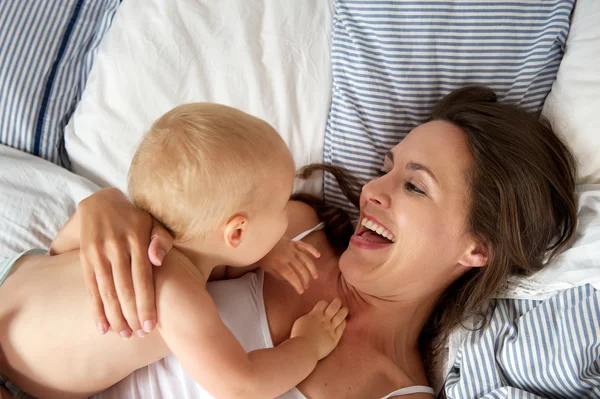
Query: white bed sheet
(38, 197)
(270, 58)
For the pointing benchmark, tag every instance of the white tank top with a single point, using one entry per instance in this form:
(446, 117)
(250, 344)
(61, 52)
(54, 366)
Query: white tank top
(242, 309)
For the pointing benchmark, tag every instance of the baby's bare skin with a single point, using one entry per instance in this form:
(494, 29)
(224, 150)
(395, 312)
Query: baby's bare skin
(47, 333)
(52, 350)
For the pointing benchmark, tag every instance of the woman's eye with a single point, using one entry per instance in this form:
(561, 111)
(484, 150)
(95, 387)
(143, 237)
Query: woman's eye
(412, 188)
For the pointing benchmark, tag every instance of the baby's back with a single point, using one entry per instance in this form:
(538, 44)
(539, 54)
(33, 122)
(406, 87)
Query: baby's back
(47, 335)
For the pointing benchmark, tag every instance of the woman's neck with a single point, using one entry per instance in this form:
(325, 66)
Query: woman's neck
(391, 326)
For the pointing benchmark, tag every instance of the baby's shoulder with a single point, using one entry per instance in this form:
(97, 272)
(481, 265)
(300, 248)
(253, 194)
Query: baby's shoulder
(177, 265)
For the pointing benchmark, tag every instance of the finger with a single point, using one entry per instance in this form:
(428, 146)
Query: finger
(292, 277)
(161, 243)
(276, 274)
(110, 300)
(333, 308)
(304, 250)
(301, 271)
(143, 287)
(308, 265)
(301, 245)
(92, 287)
(339, 316)
(122, 275)
(340, 329)
(320, 307)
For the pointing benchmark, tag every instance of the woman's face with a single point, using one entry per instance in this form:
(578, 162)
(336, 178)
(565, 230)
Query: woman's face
(419, 209)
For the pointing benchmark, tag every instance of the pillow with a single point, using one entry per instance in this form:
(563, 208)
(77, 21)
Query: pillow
(269, 58)
(47, 50)
(392, 60)
(578, 264)
(574, 102)
(38, 197)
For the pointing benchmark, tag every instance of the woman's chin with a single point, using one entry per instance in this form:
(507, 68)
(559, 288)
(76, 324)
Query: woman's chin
(355, 263)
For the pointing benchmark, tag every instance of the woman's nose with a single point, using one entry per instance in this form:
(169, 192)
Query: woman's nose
(376, 194)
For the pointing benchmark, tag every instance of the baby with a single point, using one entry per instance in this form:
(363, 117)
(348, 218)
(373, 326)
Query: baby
(219, 180)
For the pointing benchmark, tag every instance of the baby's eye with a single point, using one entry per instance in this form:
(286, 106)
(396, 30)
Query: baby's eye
(381, 172)
(412, 188)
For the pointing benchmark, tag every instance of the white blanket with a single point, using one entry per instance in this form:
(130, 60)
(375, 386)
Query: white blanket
(37, 198)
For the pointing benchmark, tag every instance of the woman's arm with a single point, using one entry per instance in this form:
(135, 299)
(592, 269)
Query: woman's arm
(67, 238)
(114, 238)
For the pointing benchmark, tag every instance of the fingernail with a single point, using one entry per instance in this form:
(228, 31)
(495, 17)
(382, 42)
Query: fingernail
(140, 333)
(148, 326)
(161, 255)
(102, 328)
(125, 334)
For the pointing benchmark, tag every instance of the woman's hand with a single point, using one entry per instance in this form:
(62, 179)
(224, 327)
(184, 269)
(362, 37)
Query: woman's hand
(118, 241)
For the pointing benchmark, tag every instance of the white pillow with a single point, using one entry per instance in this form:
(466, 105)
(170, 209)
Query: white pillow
(38, 197)
(578, 264)
(573, 105)
(270, 58)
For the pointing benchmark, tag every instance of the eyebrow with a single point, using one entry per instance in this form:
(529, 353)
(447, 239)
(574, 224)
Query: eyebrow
(414, 166)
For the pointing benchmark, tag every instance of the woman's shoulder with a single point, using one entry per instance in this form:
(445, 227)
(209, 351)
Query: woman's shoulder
(301, 217)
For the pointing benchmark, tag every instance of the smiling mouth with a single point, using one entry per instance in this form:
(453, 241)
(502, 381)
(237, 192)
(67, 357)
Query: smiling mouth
(373, 232)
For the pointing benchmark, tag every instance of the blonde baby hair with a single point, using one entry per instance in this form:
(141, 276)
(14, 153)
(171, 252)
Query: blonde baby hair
(201, 162)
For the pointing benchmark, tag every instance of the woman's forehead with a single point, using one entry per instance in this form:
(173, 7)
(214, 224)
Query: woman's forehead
(436, 138)
(438, 145)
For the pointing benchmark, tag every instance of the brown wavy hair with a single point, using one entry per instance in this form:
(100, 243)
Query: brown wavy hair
(522, 182)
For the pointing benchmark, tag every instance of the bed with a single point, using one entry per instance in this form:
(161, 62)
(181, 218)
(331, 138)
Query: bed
(342, 81)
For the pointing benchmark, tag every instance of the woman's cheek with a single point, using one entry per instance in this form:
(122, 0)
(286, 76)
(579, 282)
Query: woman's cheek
(422, 224)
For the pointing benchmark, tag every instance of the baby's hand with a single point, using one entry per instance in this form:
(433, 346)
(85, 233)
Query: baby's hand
(323, 326)
(290, 260)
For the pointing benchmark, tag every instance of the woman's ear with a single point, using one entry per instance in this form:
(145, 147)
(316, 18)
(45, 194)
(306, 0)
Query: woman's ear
(235, 230)
(476, 255)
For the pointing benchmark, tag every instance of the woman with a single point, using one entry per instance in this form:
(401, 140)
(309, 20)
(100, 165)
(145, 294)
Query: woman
(482, 191)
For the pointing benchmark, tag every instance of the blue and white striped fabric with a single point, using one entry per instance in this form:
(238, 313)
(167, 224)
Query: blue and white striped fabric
(532, 349)
(46, 51)
(392, 60)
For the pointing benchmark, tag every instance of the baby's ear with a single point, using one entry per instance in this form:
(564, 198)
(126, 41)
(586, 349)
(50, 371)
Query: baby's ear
(235, 230)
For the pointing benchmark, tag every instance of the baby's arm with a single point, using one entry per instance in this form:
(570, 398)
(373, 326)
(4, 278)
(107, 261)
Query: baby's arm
(288, 260)
(301, 217)
(190, 325)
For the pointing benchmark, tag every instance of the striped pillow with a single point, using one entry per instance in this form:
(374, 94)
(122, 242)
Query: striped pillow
(46, 51)
(392, 60)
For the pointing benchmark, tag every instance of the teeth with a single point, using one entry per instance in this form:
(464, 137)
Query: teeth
(377, 229)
